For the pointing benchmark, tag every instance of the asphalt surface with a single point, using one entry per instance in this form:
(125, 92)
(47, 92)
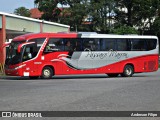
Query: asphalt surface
(82, 93)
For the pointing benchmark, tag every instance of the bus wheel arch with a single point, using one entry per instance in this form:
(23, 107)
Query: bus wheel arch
(47, 72)
(128, 70)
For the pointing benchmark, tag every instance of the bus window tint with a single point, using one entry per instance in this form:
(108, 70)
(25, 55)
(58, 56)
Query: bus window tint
(97, 44)
(54, 44)
(28, 52)
(31, 50)
(151, 44)
(122, 45)
(39, 43)
(78, 45)
(36, 46)
(139, 45)
(107, 44)
(91, 44)
(69, 44)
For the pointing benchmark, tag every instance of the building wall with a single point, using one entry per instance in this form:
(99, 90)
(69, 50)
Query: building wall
(22, 25)
(48, 28)
(26, 25)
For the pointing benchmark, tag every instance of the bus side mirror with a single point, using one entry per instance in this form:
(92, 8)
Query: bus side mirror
(4, 45)
(23, 44)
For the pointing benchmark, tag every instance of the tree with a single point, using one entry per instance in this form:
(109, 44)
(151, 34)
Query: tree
(122, 30)
(137, 13)
(155, 27)
(49, 8)
(73, 15)
(22, 11)
(124, 12)
(78, 13)
(100, 12)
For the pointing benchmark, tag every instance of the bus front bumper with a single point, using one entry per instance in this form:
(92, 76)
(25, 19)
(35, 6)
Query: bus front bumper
(10, 72)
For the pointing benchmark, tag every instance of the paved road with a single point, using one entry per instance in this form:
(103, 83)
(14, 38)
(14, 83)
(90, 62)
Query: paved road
(81, 93)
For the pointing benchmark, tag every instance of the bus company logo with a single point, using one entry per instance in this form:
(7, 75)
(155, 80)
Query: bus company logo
(110, 53)
(6, 114)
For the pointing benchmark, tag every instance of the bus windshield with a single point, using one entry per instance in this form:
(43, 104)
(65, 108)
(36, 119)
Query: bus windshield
(28, 51)
(13, 57)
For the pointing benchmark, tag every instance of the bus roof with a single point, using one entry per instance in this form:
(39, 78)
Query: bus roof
(79, 35)
(117, 36)
(44, 35)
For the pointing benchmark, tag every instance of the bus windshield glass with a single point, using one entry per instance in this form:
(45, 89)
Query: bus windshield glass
(13, 57)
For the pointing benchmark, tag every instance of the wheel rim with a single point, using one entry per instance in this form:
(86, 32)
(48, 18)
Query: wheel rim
(46, 72)
(128, 71)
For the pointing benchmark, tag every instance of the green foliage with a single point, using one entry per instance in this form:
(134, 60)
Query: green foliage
(72, 16)
(49, 8)
(101, 14)
(137, 13)
(156, 26)
(22, 11)
(124, 30)
(77, 13)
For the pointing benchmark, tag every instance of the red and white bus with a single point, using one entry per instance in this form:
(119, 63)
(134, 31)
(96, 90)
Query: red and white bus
(47, 54)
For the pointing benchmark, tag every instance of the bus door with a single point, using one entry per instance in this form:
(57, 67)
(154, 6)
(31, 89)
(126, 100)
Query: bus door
(28, 60)
(30, 56)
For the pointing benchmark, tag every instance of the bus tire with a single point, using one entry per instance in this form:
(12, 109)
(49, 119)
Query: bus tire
(128, 71)
(113, 75)
(33, 77)
(47, 73)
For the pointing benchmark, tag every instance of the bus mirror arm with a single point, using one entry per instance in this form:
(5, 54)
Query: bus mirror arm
(4, 45)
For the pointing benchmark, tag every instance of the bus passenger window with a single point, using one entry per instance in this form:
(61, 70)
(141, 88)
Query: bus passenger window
(36, 46)
(151, 44)
(68, 46)
(96, 45)
(107, 44)
(91, 44)
(139, 45)
(122, 45)
(86, 45)
(54, 45)
(77, 45)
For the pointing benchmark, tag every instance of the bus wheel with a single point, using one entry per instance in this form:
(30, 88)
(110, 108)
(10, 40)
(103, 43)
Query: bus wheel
(113, 75)
(33, 77)
(47, 73)
(128, 71)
